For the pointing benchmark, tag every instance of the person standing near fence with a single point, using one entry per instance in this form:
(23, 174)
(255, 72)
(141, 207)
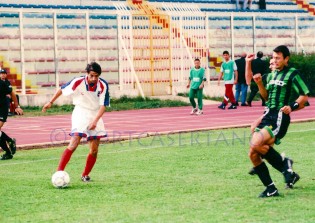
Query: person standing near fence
(241, 86)
(259, 66)
(230, 76)
(196, 84)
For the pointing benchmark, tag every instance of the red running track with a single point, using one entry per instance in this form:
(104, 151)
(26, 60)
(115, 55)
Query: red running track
(52, 130)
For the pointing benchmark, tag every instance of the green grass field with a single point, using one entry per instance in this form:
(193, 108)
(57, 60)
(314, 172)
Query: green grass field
(192, 177)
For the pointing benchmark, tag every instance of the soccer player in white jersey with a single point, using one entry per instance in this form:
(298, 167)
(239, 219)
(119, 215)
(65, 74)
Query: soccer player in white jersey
(90, 97)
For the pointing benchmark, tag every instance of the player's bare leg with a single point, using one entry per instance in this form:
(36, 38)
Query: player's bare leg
(91, 159)
(260, 146)
(67, 153)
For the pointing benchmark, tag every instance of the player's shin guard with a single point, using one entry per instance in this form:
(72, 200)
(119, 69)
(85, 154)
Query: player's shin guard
(90, 161)
(263, 174)
(275, 159)
(66, 155)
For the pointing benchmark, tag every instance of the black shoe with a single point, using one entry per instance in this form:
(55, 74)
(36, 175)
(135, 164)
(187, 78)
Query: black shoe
(222, 106)
(271, 191)
(290, 177)
(249, 103)
(252, 171)
(293, 179)
(12, 146)
(244, 104)
(233, 106)
(6, 156)
(237, 104)
(10, 114)
(85, 178)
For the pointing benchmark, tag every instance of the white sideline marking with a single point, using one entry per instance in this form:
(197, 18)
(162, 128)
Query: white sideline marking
(127, 150)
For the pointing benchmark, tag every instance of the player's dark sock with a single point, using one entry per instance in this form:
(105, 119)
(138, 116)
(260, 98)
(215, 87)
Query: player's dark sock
(263, 174)
(5, 137)
(275, 159)
(66, 155)
(90, 161)
(4, 146)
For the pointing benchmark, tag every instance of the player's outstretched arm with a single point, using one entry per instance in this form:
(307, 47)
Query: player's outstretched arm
(248, 68)
(54, 98)
(99, 115)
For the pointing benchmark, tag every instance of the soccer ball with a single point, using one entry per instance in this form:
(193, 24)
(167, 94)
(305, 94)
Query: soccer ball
(60, 179)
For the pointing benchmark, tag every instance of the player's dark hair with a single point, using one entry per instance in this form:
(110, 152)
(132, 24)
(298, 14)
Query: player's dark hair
(282, 49)
(226, 52)
(197, 59)
(260, 54)
(94, 67)
(3, 71)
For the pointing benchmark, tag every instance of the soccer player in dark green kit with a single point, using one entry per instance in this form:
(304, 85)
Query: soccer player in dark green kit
(196, 84)
(284, 92)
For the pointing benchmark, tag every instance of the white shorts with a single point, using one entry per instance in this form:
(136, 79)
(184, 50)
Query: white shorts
(81, 119)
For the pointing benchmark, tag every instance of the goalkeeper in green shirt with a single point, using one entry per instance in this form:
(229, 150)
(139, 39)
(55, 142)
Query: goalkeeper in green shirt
(196, 85)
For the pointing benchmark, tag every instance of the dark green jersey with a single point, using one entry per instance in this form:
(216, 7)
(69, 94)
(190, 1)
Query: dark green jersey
(284, 87)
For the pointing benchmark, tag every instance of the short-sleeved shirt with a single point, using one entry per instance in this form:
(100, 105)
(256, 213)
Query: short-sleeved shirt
(196, 77)
(5, 89)
(88, 96)
(284, 87)
(228, 68)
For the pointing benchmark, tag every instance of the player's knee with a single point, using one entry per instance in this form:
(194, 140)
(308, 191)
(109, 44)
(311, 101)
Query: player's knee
(94, 153)
(251, 154)
(257, 140)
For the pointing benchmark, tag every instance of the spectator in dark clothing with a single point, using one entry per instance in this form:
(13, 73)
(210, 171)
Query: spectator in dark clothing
(262, 4)
(259, 66)
(3, 77)
(241, 86)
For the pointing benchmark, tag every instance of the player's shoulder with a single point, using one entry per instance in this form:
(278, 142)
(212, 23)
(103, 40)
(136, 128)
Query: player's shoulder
(103, 82)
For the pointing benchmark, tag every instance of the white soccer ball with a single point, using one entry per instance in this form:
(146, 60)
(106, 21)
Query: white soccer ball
(60, 179)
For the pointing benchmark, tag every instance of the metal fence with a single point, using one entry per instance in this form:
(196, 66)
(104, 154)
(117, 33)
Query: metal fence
(44, 49)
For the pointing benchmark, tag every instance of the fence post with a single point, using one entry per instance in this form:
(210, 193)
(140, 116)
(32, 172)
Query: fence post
(87, 24)
(22, 51)
(56, 49)
(232, 36)
(254, 34)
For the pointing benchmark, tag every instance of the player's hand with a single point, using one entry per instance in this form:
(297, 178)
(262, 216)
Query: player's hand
(235, 81)
(188, 86)
(257, 78)
(46, 106)
(19, 111)
(92, 126)
(286, 109)
(250, 57)
(201, 86)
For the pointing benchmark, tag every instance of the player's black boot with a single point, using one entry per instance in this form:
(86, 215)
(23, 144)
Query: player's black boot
(6, 156)
(233, 106)
(222, 106)
(290, 176)
(12, 146)
(271, 191)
